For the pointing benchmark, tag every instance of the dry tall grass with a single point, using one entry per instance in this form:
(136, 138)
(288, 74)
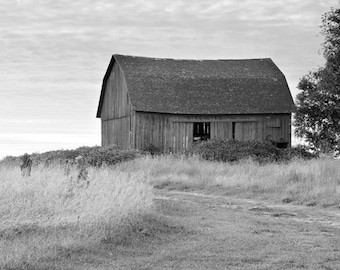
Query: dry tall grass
(47, 216)
(49, 212)
(312, 182)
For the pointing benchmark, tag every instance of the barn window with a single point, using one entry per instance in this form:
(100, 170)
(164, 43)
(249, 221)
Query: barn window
(233, 130)
(201, 131)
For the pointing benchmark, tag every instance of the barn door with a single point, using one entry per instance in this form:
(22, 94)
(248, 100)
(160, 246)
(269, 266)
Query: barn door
(245, 131)
(182, 136)
(221, 130)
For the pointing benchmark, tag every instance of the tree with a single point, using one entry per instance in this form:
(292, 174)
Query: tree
(318, 104)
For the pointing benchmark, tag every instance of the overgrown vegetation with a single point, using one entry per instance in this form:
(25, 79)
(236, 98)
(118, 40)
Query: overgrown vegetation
(227, 150)
(310, 182)
(318, 113)
(50, 216)
(224, 150)
(95, 156)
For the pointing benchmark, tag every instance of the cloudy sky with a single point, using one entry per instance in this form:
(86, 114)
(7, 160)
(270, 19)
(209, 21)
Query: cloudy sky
(54, 54)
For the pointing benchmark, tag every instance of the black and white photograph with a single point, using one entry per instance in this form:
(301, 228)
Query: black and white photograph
(169, 134)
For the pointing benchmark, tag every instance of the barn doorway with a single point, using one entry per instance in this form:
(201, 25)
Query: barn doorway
(201, 131)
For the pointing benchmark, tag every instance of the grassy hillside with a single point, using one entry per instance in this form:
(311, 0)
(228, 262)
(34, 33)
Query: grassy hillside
(95, 156)
(50, 215)
(310, 182)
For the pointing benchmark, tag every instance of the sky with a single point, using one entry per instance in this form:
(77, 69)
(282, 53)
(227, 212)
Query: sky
(54, 54)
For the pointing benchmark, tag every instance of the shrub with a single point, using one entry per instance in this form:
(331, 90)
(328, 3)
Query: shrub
(110, 156)
(94, 156)
(229, 150)
(152, 149)
(10, 161)
(299, 152)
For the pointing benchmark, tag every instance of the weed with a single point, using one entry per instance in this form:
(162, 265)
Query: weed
(229, 150)
(48, 212)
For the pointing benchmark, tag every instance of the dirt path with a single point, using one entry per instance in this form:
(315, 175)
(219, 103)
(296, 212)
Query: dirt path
(219, 232)
(326, 216)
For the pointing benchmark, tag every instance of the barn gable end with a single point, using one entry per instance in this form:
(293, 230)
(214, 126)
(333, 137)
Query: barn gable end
(116, 109)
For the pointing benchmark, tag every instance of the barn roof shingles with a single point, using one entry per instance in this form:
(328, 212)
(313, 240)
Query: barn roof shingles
(250, 86)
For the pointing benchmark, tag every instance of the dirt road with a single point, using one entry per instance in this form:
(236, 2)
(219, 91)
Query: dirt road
(219, 232)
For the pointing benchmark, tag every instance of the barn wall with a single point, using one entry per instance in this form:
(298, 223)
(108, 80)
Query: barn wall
(117, 116)
(172, 133)
(116, 102)
(152, 129)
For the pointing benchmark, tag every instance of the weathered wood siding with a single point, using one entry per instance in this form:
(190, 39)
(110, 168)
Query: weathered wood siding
(182, 136)
(152, 129)
(246, 131)
(172, 133)
(117, 116)
(221, 130)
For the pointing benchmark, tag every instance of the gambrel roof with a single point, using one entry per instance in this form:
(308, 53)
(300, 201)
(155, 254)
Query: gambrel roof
(249, 86)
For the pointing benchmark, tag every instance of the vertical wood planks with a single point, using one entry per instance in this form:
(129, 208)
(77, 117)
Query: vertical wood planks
(170, 132)
(175, 132)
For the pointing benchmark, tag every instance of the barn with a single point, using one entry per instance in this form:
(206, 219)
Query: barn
(169, 103)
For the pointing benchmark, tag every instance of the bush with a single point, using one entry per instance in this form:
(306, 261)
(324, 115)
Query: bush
(229, 150)
(110, 156)
(10, 161)
(151, 149)
(299, 152)
(94, 156)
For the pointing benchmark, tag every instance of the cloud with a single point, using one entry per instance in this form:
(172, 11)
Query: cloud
(24, 121)
(74, 28)
(16, 145)
(48, 37)
(56, 138)
(54, 53)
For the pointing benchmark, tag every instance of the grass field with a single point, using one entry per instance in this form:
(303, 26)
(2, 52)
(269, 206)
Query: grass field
(49, 213)
(312, 182)
(49, 219)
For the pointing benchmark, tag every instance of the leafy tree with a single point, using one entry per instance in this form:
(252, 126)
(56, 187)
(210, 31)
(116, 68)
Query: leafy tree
(318, 104)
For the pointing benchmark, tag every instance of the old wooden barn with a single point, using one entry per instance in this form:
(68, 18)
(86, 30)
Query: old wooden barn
(171, 103)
